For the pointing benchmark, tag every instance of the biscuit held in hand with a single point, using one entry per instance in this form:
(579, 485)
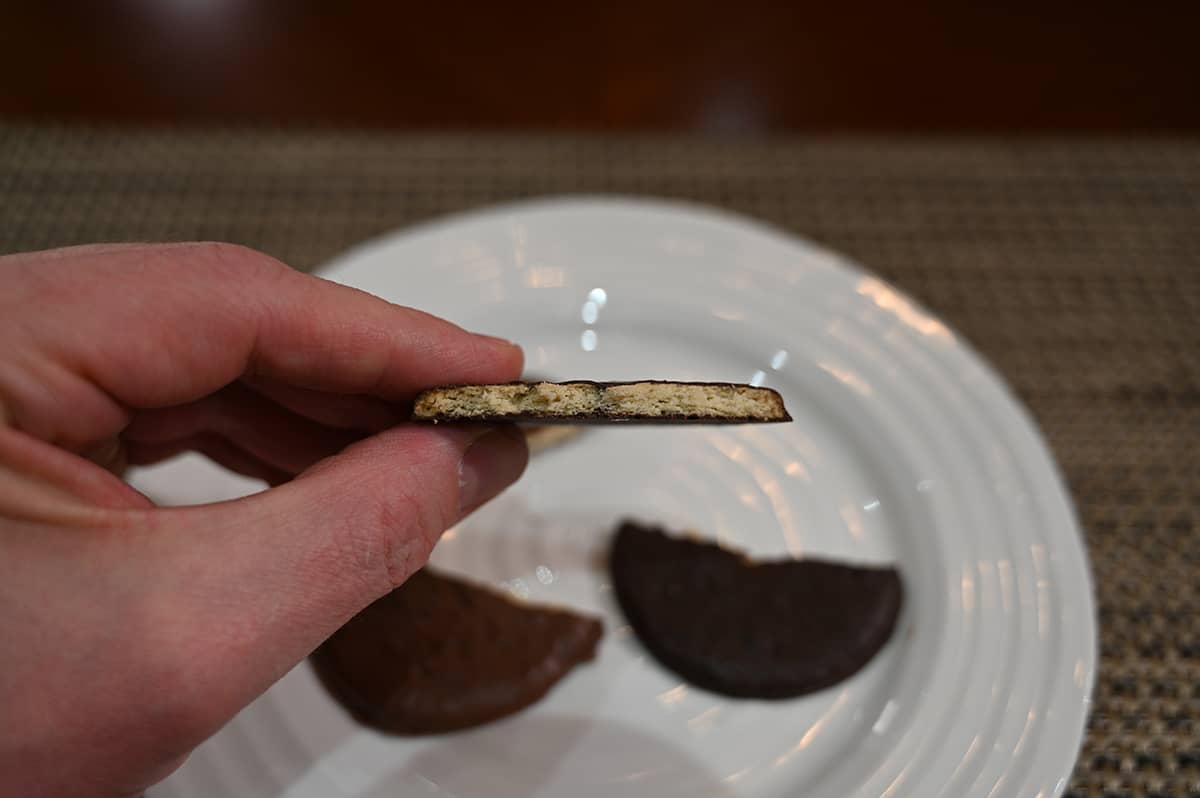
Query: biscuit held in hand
(585, 402)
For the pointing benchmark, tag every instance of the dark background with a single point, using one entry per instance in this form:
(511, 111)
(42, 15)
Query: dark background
(731, 68)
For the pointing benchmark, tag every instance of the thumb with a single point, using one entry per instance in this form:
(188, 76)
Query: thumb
(263, 580)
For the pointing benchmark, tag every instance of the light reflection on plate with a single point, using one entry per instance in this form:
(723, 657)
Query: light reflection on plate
(906, 449)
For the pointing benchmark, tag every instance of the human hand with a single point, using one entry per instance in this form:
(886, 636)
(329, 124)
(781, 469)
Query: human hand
(131, 632)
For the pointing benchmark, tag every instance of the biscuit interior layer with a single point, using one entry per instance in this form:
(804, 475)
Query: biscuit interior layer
(633, 400)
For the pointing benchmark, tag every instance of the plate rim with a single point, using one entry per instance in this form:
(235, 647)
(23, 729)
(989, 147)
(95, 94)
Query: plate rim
(583, 203)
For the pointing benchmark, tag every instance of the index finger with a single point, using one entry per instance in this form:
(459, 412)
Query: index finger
(158, 325)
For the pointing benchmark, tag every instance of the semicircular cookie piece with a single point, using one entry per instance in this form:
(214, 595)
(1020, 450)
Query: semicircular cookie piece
(585, 402)
(440, 654)
(754, 630)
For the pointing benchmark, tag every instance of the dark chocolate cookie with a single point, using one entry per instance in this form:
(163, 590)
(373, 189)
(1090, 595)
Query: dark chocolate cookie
(757, 630)
(440, 654)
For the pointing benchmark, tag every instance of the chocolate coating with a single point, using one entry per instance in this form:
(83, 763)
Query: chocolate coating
(757, 630)
(440, 654)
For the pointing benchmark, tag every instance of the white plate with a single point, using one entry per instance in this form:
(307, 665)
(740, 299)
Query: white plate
(906, 448)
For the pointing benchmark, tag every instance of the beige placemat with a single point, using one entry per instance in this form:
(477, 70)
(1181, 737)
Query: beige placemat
(1073, 265)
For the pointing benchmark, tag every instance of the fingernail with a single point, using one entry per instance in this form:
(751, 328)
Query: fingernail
(491, 463)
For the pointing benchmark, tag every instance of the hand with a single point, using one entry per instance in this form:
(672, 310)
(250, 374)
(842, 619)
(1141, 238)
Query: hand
(129, 632)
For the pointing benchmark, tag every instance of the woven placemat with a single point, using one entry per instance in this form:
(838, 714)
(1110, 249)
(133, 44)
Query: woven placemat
(1073, 265)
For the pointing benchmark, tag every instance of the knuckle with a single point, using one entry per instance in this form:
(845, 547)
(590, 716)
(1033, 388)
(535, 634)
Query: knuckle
(407, 525)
